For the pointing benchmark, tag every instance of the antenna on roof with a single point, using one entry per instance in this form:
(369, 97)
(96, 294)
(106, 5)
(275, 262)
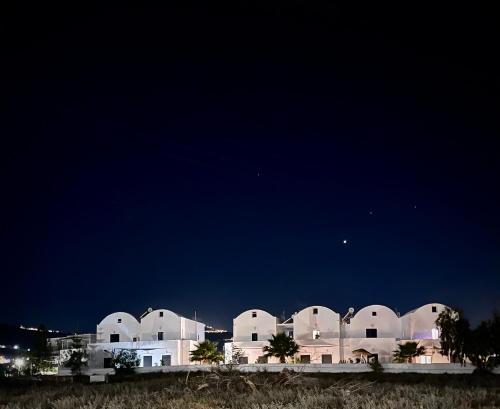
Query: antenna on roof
(150, 309)
(348, 316)
(195, 315)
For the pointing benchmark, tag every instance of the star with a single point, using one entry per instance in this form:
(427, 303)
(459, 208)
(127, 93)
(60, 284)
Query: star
(344, 241)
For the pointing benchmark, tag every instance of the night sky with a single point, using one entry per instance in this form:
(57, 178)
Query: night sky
(216, 158)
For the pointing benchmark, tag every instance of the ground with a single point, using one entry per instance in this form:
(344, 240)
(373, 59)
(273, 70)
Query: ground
(259, 391)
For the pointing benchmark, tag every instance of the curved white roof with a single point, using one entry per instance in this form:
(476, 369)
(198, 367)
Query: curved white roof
(125, 314)
(254, 310)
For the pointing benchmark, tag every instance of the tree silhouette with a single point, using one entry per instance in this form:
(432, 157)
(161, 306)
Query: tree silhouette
(281, 346)
(406, 352)
(206, 352)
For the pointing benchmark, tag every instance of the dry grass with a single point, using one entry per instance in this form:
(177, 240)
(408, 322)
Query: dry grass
(256, 391)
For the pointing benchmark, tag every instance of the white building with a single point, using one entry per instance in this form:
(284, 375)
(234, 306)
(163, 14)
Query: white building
(324, 337)
(160, 338)
(316, 330)
(420, 325)
(251, 331)
(374, 330)
(62, 347)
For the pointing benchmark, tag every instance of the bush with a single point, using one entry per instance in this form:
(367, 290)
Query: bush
(125, 361)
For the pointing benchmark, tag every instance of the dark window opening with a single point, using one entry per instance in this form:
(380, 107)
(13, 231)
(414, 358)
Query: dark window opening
(434, 308)
(243, 360)
(305, 359)
(161, 313)
(371, 333)
(160, 336)
(119, 320)
(254, 336)
(166, 360)
(147, 361)
(315, 311)
(290, 334)
(134, 339)
(374, 313)
(107, 362)
(114, 337)
(254, 314)
(326, 359)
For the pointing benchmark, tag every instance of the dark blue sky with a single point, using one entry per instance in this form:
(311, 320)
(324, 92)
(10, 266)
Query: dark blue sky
(215, 159)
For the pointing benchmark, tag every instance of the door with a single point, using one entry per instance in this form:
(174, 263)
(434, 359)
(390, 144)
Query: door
(107, 363)
(147, 361)
(305, 359)
(326, 359)
(166, 360)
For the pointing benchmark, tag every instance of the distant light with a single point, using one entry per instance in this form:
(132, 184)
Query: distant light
(19, 362)
(344, 241)
(16, 346)
(29, 349)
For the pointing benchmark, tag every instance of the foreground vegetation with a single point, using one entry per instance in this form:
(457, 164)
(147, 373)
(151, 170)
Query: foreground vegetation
(287, 390)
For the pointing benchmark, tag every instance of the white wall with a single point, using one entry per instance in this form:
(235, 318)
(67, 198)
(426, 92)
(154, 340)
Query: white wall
(169, 324)
(192, 330)
(388, 327)
(177, 349)
(128, 328)
(326, 321)
(180, 336)
(383, 347)
(419, 323)
(386, 322)
(342, 368)
(264, 324)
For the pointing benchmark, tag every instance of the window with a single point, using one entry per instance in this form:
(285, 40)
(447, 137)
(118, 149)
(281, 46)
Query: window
(147, 361)
(326, 359)
(435, 333)
(305, 359)
(107, 363)
(119, 320)
(254, 336)
(434, 308)
(254, 314)
(290, 334)
(160, 336)
(426, 359)
(243, 360)
(161, 313)
(315, 311)
(316, 334)
(114, 337)
(262, 359)
(134, 339)
(166, 360)
(371, 333)
(374, 313)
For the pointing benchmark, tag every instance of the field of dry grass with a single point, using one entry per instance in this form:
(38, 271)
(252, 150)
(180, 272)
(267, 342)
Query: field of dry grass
(260, 391)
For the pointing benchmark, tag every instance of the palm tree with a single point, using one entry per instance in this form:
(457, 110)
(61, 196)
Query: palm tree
(206, 352)
(406, 352)
(281, 346)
